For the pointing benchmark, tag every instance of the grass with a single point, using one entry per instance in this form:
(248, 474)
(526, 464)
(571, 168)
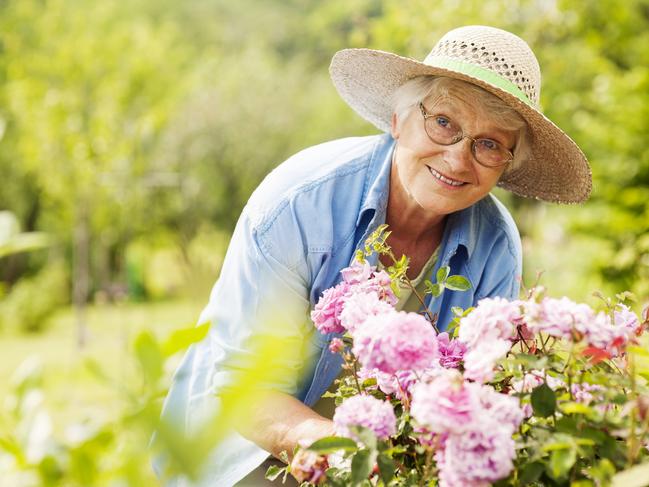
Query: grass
(71, 391)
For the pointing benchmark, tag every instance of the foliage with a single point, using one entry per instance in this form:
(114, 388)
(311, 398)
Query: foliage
(12, 241)
(94, 450)
(31, 302)
(162, 116)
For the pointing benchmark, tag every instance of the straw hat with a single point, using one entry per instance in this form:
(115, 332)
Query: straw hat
(499, 62)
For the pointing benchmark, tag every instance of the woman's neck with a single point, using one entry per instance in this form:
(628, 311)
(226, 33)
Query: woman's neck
(407, 220)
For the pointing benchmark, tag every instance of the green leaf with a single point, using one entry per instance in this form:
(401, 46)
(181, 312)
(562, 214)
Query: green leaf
(365, 435)
(95, 368)
(283, 456)
(457, 311)
(636, 350)
(637, 476)
(531, 472)
(602, 471)
(544, 401)
(149, 355)
(362, 464)
(182, 339)
(434, 289)
(332, 444)
(13, 447)
(561, 461)
(24, 242)
(612, 449)
(578, 408)
(530, 361)
(386, 468)
(457, 283)
(626, 296)
(274, 471)
(442, 273)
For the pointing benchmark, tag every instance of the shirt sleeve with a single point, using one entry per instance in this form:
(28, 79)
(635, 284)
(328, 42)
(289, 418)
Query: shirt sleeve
(261, 298)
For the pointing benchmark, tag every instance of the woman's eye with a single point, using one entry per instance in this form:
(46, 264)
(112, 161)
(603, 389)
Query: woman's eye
(488, 144)
(443, 121)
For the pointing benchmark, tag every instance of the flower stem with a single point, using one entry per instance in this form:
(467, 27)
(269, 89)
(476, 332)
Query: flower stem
(520, 335)
(355, 372)
(633, 443)
(427, 466)
(409, 283)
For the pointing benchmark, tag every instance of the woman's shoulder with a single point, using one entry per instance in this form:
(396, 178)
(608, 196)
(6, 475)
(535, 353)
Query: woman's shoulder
(492, 209)
(310, 179)
(491, 223)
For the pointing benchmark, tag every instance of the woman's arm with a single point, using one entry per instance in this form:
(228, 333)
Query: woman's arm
(280, 422)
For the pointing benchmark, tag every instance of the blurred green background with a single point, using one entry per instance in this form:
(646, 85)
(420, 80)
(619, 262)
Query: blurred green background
(132, 133)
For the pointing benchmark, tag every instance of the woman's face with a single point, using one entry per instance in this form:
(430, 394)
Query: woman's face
(442, 179)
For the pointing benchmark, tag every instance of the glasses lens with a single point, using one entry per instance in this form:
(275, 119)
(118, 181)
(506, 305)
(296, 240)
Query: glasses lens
(442, 130)
(488, 152)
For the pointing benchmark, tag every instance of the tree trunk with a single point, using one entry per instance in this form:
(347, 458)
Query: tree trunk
(81, 274)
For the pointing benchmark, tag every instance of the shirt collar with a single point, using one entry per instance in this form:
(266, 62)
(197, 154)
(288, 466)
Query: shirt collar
(458, 232)
(377, 181)
(461, 227)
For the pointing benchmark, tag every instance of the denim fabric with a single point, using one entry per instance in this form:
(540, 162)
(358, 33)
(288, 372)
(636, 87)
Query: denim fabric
(299, 229)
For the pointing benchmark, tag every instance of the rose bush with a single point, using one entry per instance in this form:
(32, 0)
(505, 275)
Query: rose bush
(536, 391)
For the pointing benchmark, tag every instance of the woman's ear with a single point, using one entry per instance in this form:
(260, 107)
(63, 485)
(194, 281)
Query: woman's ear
(394, 126)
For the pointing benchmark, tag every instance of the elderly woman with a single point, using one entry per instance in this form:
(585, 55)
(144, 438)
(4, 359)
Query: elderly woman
(458, 124)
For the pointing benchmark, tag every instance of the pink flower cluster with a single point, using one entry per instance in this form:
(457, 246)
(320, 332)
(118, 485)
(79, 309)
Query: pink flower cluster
(370, 290)
(563, 318)
(490, 329)
(359, 306)
(488, 332)
(385, 340)
(585, 393)
(533, 379)
(366, 411)
(474, 424)
(451, 352)
(475, 459)
(395, 341)
(308, 466)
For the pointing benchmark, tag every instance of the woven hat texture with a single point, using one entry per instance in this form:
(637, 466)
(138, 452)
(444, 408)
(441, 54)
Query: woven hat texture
(497, 61)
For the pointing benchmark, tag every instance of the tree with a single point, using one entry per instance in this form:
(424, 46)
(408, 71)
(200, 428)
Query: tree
(89, 88)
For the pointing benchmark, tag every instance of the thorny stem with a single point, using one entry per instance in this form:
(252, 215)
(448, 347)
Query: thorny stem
(520, 335)
(429, 461)
(355, 373)
(614, 365)
(633, 440)
(543, 342)
(570, 354)
(619, 371)
(645, 429)
(404, 395)
(430, 316)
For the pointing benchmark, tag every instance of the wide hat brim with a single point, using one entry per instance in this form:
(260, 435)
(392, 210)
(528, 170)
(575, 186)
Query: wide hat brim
(557, 170)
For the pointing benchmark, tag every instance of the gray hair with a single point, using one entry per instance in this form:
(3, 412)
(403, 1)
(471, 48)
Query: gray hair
(436, 88)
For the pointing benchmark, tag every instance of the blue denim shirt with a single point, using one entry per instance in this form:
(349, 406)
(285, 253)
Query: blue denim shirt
(300, 227)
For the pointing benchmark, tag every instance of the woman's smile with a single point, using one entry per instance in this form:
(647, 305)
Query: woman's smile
(445, 180)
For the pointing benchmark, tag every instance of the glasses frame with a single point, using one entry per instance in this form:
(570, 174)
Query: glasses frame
(461, 136)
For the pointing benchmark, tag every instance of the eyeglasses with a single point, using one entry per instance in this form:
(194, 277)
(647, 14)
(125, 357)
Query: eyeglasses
(444, 131)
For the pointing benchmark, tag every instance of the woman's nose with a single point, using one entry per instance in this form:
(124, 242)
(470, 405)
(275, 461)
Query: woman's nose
(459, 155)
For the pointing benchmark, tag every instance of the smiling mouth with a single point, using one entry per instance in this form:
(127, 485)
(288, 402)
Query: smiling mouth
(444, 179)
